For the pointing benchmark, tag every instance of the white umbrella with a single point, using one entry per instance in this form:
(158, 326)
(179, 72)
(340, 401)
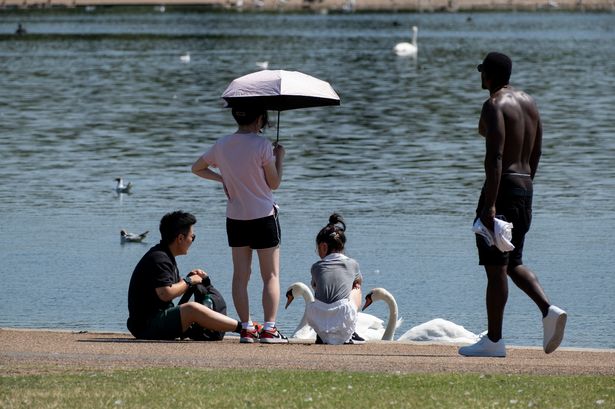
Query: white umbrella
(279, 90)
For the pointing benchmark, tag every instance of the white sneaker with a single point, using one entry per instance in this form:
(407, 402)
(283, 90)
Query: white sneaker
(485, 347)
(553, 326)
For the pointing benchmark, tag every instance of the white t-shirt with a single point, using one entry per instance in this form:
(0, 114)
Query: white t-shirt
(241, 159)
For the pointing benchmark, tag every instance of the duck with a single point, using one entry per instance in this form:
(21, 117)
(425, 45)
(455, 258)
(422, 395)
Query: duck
(126, 237)
(368, 326)
(185, 58)
(121, 187)
(406, 49)
(435, 330)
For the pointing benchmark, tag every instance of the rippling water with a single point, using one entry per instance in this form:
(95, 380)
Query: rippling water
(89, 97)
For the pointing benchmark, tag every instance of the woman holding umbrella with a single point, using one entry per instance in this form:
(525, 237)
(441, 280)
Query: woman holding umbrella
(250, 168)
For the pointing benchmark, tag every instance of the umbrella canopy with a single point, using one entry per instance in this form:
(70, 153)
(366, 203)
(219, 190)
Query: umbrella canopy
(279, 90)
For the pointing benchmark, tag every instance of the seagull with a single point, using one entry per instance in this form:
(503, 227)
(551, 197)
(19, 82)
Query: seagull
(185, 58)
(121, 188)
(262, 64)
(126, 237)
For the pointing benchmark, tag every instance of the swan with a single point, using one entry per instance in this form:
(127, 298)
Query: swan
(439, 330)
(392, 324)
(185, 58)
(126, 237)
(303, 330)
(408, 49)
(121, 187)
(435, 330)
(368, 326)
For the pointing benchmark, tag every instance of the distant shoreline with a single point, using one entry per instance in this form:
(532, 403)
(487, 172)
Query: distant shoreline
(324, 6)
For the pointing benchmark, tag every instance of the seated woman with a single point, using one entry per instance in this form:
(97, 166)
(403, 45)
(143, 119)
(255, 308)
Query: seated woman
(336, 280)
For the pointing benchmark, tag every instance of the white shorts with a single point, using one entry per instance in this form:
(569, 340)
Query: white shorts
(335, 322)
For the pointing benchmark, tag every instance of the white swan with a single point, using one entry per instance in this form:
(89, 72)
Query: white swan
(392, 324)
(368, 326)
(303, 330)
(406, 49)
(121, 187)
(439, 330)
(436, 330)
(185, 58)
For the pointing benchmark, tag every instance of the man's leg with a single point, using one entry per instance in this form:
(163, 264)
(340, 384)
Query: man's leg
(527, 281)
(553, 318)
(191, 312)
(492, 345)
(242, 269)
(497, 295)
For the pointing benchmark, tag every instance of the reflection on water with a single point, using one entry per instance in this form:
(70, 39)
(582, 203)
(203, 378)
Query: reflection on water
(88, 98)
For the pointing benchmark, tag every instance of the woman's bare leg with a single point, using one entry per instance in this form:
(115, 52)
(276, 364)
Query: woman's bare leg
(242, 269)
(269, 261)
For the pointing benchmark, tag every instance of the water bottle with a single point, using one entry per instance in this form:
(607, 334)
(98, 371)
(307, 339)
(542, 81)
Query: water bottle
(208, 302)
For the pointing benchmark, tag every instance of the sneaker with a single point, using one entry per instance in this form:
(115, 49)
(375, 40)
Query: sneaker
(272, 336)
(485, 347)
(248, 336)
(355, 339)
(553, 327)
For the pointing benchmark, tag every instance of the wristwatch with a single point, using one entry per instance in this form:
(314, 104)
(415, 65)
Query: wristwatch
(188, 281)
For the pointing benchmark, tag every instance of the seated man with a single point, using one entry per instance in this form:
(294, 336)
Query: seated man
(156, 282)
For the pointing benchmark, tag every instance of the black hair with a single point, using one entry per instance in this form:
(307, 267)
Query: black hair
(175, 223)
(333, 234)
(247, 115)
(497, 67)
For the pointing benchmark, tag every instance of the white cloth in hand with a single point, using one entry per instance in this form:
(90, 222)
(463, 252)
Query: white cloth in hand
(501, 236)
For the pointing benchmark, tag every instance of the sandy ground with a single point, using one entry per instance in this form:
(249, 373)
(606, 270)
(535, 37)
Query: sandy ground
(41, 352)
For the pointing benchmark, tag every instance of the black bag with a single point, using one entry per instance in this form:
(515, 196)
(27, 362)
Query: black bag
(201, 292)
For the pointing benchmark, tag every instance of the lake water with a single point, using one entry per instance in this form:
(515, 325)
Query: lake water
(88, 97)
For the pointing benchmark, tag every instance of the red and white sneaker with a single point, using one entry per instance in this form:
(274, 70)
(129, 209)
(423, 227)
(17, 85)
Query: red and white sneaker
(248, 336)
(272, 336)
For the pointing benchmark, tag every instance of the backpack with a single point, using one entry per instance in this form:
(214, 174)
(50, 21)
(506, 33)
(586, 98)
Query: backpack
(200, 291)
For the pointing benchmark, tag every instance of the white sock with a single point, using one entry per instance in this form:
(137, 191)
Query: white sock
(269, 325)
(247, 325)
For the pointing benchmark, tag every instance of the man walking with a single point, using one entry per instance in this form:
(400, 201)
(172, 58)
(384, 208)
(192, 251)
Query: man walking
(512, 129)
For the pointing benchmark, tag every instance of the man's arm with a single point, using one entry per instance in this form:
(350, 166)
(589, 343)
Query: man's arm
(495, 136)
(536, 150)
(170, 292)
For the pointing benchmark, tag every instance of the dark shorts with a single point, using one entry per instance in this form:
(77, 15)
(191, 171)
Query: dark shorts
(166, 324)
(515, 204)
(260, 233)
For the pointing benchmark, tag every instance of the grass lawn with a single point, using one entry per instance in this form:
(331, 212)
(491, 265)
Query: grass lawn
(190, 388)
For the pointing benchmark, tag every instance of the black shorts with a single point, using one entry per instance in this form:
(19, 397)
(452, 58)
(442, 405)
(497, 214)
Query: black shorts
(515, 205)
(260, 233)
(165, 324)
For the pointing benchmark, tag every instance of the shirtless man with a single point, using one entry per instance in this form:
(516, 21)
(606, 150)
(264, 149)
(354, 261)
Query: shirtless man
(512, 129)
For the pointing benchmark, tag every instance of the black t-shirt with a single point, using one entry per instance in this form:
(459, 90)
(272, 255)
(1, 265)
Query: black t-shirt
(157, 268)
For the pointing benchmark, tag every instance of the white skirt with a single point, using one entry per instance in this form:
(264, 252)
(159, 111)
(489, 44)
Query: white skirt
(335, 322)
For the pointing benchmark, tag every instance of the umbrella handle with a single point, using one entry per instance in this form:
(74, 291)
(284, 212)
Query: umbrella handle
(277, 137)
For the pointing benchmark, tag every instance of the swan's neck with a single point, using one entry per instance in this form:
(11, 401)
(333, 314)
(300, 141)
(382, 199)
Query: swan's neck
(389, 332)
(414, 37)
(308, 297)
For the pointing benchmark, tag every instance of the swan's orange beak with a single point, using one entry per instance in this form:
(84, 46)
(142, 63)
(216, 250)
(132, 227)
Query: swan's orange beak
(289, 298)
(368, 301)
